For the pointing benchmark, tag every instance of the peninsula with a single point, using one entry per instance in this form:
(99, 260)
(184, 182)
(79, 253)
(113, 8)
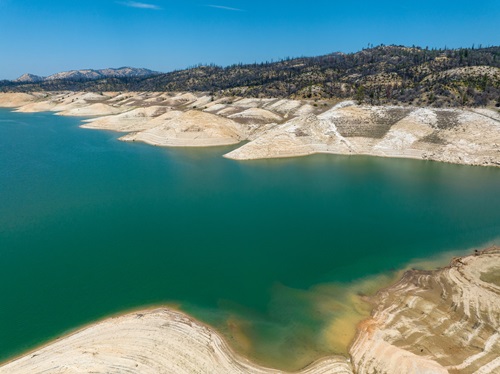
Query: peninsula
(274, 128)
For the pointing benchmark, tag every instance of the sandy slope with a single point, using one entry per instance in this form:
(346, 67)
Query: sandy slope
(97, 109)
(133, 120)
(436, 321)
(14, 100)
(158, 341)
(448, 135)
(281, 128)
(191, 129)
(256, 115)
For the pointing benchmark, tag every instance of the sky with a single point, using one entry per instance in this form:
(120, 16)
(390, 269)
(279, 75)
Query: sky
(44, 37)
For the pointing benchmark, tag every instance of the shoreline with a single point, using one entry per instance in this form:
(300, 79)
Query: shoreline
(376, 284)
(364, 349)
(412, 274)
(463, 296)
(70, 332)
(280, 128)
(240, 361)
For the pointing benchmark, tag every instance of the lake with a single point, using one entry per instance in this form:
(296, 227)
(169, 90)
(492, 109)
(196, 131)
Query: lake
(273, 253)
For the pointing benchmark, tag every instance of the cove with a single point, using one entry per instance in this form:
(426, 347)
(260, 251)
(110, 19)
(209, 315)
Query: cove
(273, 253)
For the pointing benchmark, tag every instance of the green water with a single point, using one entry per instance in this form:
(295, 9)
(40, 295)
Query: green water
(266, 251)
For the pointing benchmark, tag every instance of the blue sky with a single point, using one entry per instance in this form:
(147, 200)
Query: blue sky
(47, 36)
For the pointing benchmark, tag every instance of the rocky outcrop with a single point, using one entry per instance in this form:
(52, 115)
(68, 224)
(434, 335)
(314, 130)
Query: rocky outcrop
(436, 321)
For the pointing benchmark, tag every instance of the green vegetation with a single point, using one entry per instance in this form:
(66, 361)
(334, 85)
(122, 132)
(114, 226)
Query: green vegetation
(380, 75)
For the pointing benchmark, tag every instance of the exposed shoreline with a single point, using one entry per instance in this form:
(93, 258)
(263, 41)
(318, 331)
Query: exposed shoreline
(277, 128)
(204, 343)
(70, 332)
(441, 321)
(378, 336)
(449, 324)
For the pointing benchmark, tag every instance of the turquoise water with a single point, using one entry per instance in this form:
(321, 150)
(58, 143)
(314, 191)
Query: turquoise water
(264, 250)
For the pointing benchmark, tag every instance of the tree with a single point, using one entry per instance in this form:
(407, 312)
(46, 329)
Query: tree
(360, 95)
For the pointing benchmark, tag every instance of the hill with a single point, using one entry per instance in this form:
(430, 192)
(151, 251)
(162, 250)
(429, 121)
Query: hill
(87, 74)
(395, 75)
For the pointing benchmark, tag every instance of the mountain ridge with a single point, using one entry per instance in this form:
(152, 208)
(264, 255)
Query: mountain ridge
(88, 74)
(396, 75)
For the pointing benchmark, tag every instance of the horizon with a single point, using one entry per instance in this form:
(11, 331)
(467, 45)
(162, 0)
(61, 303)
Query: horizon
(164, 36)
(249, 63)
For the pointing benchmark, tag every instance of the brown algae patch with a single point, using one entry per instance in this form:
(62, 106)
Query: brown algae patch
(410, 307)
(302, 326)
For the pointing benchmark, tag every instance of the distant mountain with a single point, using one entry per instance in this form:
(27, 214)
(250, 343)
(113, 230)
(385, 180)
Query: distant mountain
(127, 72)
(393, 74)
(29, 78)
(89, 74)
(75, 75)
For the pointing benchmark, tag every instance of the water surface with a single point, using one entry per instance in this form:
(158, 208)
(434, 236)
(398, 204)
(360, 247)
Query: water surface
(272, 252)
